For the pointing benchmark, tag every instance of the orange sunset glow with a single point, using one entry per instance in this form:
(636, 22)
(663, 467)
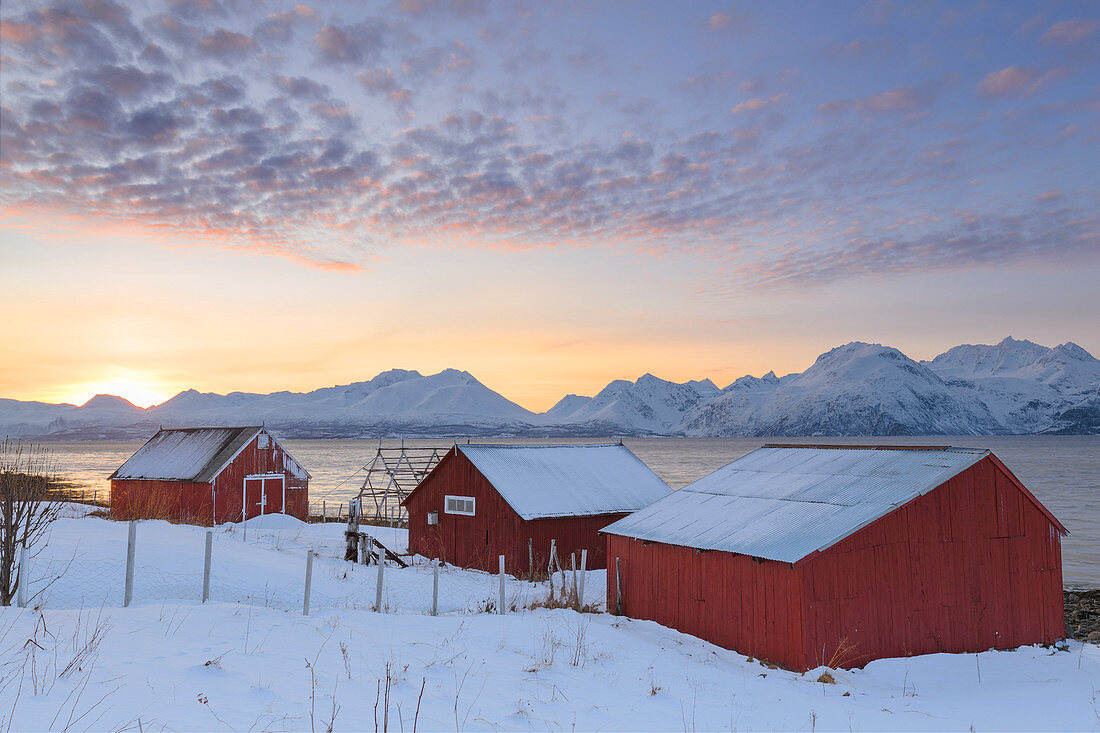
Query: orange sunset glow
(263, 201)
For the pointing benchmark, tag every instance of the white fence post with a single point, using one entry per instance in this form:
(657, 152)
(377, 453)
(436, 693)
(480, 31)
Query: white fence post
(435, 586)
(309, 582)
(584, 571)
(131, 541)
(501, 562)
(21, 591)
(378, 589)
(206, 565)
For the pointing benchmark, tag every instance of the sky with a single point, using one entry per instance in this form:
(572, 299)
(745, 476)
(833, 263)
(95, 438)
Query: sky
(242, 195)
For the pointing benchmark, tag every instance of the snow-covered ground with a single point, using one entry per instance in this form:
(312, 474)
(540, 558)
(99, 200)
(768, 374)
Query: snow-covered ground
(236, 663)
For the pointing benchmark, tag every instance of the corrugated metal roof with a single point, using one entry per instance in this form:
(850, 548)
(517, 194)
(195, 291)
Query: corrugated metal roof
(187, 454)
(567, 480)
(783, 503)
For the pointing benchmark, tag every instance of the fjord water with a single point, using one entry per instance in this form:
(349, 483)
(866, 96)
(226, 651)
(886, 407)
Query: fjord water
(1062, 471)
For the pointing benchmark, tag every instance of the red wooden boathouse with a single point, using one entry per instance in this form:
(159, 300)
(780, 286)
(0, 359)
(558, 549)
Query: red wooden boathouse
(210, 476)
(482, 501)
(811, 555)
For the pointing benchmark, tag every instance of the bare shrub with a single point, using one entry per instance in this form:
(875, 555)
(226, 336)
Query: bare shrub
(27, 507)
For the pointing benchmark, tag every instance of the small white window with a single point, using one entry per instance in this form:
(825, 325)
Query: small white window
(459, 505)
(263, 441)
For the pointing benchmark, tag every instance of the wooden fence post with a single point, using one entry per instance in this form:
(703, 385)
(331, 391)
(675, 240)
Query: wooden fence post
(501, 562)
(309, 582)
(131, 541)
(206, 566)
(351, 552)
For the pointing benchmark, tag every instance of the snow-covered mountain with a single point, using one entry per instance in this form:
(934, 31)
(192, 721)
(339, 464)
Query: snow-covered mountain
(396, 402)
(855, 389)
(648, 406)
(1029, 388)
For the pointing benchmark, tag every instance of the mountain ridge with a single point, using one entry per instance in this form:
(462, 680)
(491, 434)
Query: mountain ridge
(1013, 387)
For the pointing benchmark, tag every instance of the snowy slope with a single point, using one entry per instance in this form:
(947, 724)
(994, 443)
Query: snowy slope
(1029, 388)
(856, 389)
(21, 419)
(252, 661)
(648, 406)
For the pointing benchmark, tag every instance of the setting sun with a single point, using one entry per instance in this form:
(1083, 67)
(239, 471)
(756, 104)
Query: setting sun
(139, 390)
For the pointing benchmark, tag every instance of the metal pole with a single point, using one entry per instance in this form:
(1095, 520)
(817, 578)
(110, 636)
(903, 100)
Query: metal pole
(378, 589)
(309, 582)
(21, 592)
(435, 586)
(618, 590)
(573, 566)
(501, 562)
(584, 571)
(131, 541)
(550, 569)
(206, 566)
(531, 559)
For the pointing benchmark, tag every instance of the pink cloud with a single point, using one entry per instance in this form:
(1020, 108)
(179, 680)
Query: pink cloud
(731, 20)
(902, 99)
(757, 103)
(1067, 32)
(1017, 81)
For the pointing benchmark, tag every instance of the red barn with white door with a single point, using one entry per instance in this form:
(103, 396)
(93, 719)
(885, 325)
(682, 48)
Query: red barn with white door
(482, 501)
(838, 555)
(210, 476)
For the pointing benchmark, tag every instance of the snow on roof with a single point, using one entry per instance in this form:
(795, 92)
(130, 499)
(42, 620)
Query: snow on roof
(786, 502)
(186, 454)
(567, 480)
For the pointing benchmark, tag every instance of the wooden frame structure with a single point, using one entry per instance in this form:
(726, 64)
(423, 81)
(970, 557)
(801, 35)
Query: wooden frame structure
(391, 476)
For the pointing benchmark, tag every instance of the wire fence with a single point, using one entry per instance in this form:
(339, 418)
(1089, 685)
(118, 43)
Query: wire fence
(280, 570)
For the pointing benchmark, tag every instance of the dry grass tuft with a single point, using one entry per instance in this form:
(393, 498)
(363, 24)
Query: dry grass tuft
(826, 678)
(845, 653)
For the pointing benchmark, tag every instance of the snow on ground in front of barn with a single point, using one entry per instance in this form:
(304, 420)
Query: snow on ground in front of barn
(236, 663)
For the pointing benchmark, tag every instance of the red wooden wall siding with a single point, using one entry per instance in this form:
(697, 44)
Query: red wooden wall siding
(731, 600)
(972, 565)
(176, 501)
(496, 529)
(193, 503)
(228, 485)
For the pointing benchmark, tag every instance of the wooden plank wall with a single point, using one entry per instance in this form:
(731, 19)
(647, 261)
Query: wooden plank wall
(970, 566)
(738, 602)
(192, 503)
(974, 564)
(496, 529)
(229, 483)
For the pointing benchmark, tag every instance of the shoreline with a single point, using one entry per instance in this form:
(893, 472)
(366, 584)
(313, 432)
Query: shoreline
(1082, 614)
